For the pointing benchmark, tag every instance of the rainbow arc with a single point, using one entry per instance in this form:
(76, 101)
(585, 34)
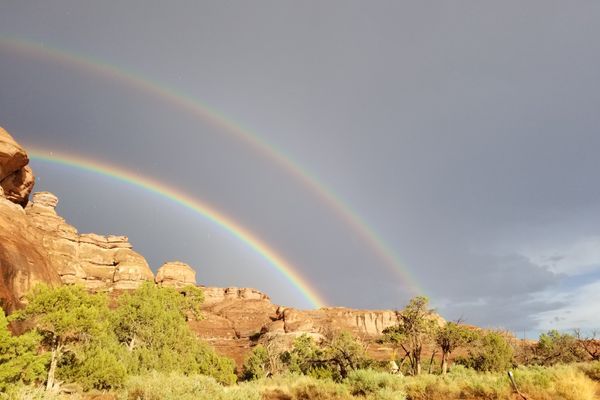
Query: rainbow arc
(183, 199)
(207, 114)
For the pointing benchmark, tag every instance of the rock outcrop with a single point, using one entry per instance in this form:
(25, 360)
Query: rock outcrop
(175, 274)
(236, 319)
(39, 246)
(16, 177)
(23, 259)
(97, 262)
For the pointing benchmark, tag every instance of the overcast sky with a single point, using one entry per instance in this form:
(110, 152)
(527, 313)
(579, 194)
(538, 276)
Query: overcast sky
(465, 134)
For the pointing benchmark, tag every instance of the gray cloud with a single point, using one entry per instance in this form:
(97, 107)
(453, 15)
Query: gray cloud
(462, 134)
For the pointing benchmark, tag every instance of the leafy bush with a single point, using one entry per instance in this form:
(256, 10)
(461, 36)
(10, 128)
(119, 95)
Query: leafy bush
(366, 382)
(19, 358)
(255, 365)
(492, 352)
(591, 369)
(172, 386)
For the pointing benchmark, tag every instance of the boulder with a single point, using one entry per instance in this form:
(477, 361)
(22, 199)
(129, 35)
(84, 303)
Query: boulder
(12, 156)
(175, 274)
(16, 177)
(95, 261)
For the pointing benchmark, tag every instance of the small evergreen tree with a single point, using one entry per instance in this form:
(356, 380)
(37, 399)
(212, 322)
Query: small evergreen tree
(450, 337)
(64, 316)
(20, 359)
(415, 329)
(492, 352)
(256, 365)
(555, 347)
(151, 323)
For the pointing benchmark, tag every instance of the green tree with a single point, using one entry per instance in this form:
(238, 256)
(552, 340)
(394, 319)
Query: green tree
(151, 316)
(98, 363)
(64, 316)
(151, 323)
(20, 359)
(555, 347)
(256, 365)
(450, 337)
(304, 357)
(344, 353)
(416, 328)
(334, 357)
(492, 352)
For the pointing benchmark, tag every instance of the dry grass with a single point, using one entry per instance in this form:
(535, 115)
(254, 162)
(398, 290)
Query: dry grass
(566, 382)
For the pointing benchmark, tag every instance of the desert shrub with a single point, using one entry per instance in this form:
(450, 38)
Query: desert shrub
(366, 382)
(561, 382)
(173, 386)
(256, 364)
(591, 369)
(492, 352)
(20, 361)
(555, 347)
(333, 358)
(21, 392)
(540, 383)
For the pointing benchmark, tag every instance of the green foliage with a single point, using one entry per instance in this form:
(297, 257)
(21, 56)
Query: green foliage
(172, 386)
(96, 364)
(305, 356)
(366, 382)
(20, 361)
(555, 347)
(332, 359)
(151, 316)
(344, 353)
(256, 364)
(450, 337)
(591, 369)
(491, 353)
(151, 323)
(64, 316)
(416, 328)
(454, 335)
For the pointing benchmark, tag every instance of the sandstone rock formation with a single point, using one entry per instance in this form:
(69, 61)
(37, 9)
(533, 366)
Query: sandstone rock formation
(37, 245)
(95, 261)
(23, 259)
(175, 274)
(236, 319)
(16, 177)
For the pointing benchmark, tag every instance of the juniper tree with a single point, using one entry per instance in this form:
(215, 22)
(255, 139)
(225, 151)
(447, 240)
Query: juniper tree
(20, 360)
(64, 316)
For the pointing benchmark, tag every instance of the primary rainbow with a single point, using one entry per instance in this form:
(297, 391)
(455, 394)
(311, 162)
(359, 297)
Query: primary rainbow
(205, 113)
(183, 199)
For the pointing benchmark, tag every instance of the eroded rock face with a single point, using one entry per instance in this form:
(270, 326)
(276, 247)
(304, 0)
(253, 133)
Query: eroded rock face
(16, 177)
(23, 259)
(175, 274)
(94, 261)
(236, 319)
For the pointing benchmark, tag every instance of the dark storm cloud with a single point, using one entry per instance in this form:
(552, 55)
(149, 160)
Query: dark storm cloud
(465, 134)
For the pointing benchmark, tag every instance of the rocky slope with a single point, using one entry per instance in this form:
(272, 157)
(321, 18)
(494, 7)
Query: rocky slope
(37, 245)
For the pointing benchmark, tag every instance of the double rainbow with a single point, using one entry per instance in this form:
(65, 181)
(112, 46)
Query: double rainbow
(207, 114)
(181, 198)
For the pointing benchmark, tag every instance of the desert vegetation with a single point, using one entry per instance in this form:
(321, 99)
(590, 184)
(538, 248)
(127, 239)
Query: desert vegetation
(79, 345)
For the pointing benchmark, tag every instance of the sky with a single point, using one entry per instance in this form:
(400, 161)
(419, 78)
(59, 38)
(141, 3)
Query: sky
(462, 135)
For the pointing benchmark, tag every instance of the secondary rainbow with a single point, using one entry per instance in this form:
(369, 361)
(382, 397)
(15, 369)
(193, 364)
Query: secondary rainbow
(208, 114)
(185, 200)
